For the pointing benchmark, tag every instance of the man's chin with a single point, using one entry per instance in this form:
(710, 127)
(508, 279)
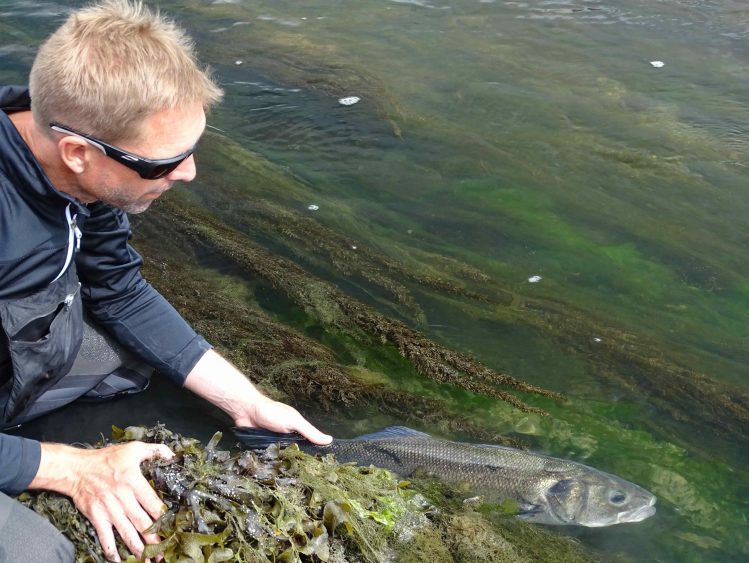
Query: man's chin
(136, 207)
(133, 207)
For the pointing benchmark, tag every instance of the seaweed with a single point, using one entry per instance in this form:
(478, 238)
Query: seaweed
(281, 504)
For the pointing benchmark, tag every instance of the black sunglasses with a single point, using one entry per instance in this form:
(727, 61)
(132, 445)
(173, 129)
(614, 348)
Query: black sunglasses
(147, 169)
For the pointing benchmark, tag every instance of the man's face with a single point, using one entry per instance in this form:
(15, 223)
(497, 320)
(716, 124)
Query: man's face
(164, 135)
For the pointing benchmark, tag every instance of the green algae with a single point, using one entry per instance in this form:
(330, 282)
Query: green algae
(284, 505)
(638, 357)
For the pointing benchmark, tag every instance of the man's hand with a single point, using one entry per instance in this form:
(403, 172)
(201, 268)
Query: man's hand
(108, 487)
(279, 417)
(219, 382)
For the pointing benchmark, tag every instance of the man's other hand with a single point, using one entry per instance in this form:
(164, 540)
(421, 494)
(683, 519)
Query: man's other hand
(218, 381)
(266, 413)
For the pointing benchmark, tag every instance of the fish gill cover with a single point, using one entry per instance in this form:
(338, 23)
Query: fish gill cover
(284, 505)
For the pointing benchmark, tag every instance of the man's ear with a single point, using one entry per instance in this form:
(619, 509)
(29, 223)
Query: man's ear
(74, 152)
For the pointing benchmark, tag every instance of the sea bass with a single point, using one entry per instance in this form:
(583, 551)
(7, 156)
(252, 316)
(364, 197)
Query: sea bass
(547, 490)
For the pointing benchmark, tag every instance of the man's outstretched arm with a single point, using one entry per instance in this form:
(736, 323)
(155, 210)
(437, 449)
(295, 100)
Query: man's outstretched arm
(218, 381)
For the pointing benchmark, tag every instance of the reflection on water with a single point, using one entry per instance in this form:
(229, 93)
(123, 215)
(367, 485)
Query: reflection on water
(517, 139)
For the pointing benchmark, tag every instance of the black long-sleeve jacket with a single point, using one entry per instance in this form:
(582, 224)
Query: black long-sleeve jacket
(40, 229)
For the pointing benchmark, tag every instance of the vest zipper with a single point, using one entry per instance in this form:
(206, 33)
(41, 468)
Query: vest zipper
(74, 238)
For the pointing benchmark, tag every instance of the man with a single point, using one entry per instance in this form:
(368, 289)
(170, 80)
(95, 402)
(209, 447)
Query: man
(117, 105)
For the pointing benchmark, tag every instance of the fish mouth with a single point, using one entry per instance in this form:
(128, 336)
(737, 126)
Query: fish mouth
(639, 514)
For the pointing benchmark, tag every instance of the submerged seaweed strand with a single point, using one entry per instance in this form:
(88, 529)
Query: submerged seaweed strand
(445, 365)
(349, 256)
(331, 306)
(682, 392)
(340, 254)
(330, 387)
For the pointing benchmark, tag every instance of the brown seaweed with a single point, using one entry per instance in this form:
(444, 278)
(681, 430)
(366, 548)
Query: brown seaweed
(284, 505)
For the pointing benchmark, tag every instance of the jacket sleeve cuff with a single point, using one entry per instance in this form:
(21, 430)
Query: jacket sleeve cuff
(19, 462)
(181, 366)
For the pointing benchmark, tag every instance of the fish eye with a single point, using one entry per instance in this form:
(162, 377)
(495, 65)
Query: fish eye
(617, 497)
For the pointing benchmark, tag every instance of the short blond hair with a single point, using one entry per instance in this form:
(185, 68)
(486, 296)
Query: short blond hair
(111, 65)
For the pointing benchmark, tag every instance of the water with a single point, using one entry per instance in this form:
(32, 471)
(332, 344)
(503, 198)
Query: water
(524, 139)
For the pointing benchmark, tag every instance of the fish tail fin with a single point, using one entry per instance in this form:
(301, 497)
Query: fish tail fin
(259, 438)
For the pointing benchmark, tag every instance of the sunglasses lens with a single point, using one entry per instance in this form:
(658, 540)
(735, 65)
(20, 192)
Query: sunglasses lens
(161, 170)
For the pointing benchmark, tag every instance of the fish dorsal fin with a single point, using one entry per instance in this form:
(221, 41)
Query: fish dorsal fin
(394, 432)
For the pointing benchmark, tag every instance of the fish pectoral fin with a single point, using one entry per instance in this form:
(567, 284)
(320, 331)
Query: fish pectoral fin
(528, 509)
(259, 438)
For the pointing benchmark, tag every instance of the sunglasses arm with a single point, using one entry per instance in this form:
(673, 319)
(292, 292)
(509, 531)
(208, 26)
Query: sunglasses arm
(89, 141)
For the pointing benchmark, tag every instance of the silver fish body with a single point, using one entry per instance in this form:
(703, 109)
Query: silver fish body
(547, 490)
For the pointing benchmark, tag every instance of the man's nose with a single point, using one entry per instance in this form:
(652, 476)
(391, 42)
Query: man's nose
(185, 172)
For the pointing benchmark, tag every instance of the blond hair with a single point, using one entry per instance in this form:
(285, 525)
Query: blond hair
(111, 65)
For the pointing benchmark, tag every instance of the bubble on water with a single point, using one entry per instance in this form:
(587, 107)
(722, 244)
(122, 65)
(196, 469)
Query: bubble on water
(535, 279)
(349, 100)
(657, 64)
(313, 207)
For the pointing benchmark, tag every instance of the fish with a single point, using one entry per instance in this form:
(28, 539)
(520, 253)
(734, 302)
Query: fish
(547, 490)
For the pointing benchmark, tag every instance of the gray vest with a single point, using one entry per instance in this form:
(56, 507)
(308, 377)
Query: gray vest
(42, 334)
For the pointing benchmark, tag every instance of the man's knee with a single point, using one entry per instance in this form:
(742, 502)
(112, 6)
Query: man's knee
(26, 536)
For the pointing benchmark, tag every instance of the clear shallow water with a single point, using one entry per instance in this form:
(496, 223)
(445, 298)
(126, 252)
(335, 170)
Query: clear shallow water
(524, 138)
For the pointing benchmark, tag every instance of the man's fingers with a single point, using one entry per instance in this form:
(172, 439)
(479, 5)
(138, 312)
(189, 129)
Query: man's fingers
(130, 536)
(148, 499)
(150, 451)
(281, 417)
(141, 520)
(313, 434)
(103, 529)
(306, 429)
